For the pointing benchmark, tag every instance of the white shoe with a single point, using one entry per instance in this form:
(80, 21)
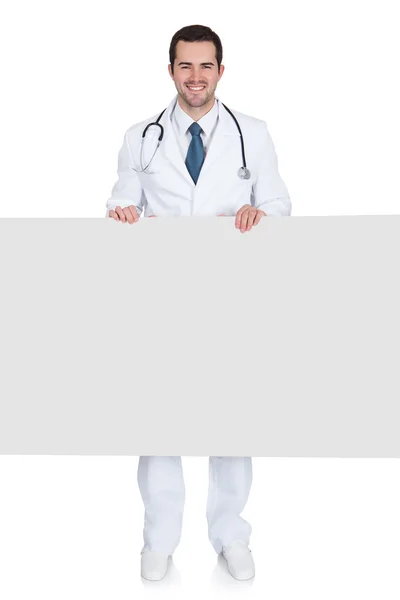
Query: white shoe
(154, 565)
(240, 560)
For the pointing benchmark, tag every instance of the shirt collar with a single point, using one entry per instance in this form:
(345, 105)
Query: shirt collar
(207, 122)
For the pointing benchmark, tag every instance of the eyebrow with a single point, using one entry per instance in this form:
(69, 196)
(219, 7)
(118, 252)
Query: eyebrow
(201, 64)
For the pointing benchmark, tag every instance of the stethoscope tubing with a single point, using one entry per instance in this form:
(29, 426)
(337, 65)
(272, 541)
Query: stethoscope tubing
(245, 173)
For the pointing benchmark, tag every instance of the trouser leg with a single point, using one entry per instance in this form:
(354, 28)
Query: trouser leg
(230, 480)
(162, 488)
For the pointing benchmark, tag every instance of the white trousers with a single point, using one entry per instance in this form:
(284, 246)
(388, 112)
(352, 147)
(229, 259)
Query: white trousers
(162, 488)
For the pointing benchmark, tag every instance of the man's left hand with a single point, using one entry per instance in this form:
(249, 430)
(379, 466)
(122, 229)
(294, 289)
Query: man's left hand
(247, 216)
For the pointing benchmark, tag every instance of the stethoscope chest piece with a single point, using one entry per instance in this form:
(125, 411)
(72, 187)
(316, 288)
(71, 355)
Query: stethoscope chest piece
(244, 173)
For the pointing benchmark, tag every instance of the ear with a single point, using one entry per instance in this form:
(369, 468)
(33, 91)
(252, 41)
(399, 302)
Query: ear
(221, 71)
(170, 71)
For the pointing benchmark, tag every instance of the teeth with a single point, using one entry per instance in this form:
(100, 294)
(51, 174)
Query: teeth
(195, 88)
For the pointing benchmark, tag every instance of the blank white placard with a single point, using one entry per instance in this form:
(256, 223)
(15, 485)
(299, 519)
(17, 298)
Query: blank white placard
(182, 336)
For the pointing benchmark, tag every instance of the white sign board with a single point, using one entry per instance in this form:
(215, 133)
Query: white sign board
(183, 336)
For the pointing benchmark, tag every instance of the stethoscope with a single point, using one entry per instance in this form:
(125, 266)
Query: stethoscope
(243, 172)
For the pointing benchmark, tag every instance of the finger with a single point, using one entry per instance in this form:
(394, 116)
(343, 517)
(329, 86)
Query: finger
(239, 214)
(121, 214)
(113, 215)
(259, 216)
(243, 222)
(252, 215)
(134, 214)
(128, 214)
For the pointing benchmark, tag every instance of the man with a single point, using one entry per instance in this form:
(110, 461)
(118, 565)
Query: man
(193, 171)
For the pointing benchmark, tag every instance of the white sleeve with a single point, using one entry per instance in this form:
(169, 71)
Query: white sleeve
(127, 190)
(270, 192)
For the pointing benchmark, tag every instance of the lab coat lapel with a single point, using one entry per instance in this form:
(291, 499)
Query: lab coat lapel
(226, 135)
(222, 140)
(172, 151)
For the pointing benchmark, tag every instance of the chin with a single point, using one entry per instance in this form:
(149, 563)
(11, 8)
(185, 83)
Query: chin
(199, 101)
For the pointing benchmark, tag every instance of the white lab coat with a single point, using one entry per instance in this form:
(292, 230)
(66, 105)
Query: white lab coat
(168, 190)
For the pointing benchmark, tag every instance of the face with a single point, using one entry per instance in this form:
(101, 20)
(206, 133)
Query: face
(196, 65)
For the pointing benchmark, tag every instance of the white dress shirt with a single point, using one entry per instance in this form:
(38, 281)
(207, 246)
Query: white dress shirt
(181, 122)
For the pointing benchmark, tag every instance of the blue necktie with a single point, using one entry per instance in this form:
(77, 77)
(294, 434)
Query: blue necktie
(195, 156)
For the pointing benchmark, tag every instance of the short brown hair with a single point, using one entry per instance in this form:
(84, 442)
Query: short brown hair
(195, 33)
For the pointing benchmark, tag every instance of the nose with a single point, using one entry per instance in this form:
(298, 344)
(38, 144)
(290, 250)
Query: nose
(195, 75)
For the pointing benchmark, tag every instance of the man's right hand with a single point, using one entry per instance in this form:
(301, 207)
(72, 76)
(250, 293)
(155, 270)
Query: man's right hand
(128, 213)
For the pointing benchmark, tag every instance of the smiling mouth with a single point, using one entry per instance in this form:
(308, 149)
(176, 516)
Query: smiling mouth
(196, 88)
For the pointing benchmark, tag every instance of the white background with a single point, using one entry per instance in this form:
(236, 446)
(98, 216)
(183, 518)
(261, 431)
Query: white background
(75, 75)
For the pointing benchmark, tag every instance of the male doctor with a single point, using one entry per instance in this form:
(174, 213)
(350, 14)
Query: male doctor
(194, 172)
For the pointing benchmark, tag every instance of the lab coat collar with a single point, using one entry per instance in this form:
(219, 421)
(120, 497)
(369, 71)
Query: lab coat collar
(207, 121)
(222, 139)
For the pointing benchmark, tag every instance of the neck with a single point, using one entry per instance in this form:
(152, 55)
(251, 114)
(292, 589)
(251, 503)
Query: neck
(196, 112)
